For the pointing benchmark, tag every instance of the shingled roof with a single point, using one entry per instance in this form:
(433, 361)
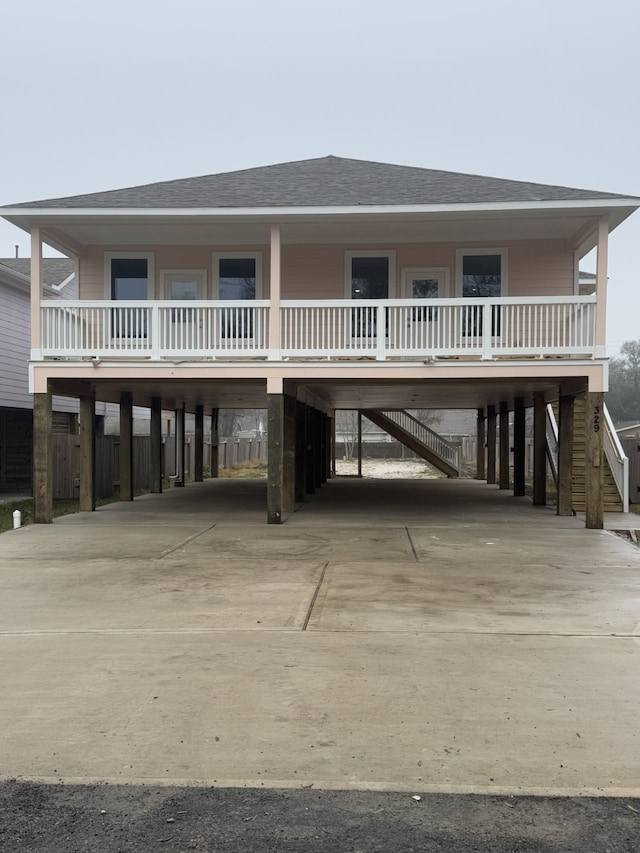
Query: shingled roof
(322, 182)
(54, 270)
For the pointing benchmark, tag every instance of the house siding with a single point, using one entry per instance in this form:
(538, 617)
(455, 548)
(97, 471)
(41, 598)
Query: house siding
(317, 271)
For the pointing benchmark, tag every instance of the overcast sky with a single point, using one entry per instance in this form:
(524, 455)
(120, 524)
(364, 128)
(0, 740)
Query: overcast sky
(112, 93)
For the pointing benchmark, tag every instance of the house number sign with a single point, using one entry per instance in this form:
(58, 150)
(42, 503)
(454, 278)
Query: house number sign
(596, 418)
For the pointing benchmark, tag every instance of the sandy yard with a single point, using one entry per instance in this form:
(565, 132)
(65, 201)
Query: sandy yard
(400, 469)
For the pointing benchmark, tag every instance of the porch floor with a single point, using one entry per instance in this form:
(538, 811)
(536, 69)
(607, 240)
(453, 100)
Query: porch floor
(400, 635)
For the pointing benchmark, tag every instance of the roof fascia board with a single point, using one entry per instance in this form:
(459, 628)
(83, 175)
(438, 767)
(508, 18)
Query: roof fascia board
(349, 210)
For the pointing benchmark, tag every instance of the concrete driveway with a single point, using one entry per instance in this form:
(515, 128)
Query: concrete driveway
(416, 635)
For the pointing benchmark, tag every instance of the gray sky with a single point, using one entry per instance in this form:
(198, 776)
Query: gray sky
(111, 93)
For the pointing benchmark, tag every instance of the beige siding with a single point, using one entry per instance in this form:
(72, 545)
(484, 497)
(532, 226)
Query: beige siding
(317, 271)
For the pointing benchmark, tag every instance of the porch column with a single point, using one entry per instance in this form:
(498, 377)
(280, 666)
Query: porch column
(594, 459)
(274, 295)
(359, 443)
(480, 440)
(87, 452)
(565, 454)
(491, 445)
(215, 440)
(36, 292)
(180, 449)
(539, 449)
(519, 447)
(126, 446)
(301, 453)
(156, 445)
(503, 482)
(275, 459)
(198, 450)
(601, 288)
(42, 458)
(289, 455)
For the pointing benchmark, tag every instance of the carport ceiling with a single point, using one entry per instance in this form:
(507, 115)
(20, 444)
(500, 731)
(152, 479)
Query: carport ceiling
(343, 394)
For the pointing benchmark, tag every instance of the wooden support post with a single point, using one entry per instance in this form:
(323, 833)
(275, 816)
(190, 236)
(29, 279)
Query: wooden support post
(301, 454)
(480, 442)
(289, 456)
(42, 458)
(519, 447)
(565, 454)
(181, 445)
(309, 480)
(156, 445)
(126, 446)
(359, 443)
(275, 459)
(332, 427)
(594, 459)
(491, 445)
(87, 452)
(539, 449)
(198, 450)
(317, 447)
(503, 481)
(324, 466)
(215, 442)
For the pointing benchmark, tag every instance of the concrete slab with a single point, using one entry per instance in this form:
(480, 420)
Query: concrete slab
(386, 711)
(426, 635)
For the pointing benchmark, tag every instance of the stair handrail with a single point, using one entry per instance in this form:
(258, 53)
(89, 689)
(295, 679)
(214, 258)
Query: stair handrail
(617, 459)
(433, 440)
(551, 442)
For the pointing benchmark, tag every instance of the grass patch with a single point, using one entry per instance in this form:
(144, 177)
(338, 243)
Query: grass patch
(251, 470)
(60, 507)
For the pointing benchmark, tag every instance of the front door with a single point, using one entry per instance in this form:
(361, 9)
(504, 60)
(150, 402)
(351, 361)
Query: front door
(425, 283)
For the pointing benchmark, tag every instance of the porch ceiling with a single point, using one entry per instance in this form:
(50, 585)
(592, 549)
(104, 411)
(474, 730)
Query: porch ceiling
(331, 394)
(455, 225)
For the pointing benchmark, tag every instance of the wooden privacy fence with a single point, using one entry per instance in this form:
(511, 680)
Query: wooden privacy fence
(66, 461)
(631, 447)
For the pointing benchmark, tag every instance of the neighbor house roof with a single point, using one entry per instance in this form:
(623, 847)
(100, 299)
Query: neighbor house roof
(54, 270)
(322, 182)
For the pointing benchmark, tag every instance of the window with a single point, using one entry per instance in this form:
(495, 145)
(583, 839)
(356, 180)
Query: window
(128, 276)
(237, 277)
(369, 276)
(481, 274)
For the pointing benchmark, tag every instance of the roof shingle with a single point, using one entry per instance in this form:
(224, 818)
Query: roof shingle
(322, 182)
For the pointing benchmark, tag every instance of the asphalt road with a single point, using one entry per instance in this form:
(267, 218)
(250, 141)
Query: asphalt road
(38, 818)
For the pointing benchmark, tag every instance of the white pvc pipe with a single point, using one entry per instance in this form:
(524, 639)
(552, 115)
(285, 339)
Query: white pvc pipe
(17, 519)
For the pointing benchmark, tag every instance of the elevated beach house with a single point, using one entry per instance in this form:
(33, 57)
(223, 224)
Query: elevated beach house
(331, 283)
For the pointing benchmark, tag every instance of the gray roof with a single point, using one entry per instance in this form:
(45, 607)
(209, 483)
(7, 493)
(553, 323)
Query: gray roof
(322, 182)
(54, 270)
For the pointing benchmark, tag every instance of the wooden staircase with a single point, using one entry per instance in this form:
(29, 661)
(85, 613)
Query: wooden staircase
(418, 437)
(611, 496)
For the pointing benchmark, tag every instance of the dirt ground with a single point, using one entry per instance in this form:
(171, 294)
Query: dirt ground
(131, 819)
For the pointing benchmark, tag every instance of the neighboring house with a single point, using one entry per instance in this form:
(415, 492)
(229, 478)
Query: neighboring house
(332, 283)
(16, 403)
(628, 431)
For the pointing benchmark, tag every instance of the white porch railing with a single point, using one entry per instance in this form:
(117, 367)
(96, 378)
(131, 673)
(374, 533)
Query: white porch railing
(485, 328)
(617, 459)
(380, 329)
(155, 329)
